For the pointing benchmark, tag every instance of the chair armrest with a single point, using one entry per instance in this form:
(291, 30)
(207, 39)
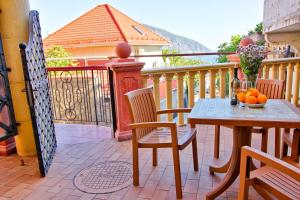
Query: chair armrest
(152, 125)
(176, 110)
(170, 125)
(272, 161)
(291, 161)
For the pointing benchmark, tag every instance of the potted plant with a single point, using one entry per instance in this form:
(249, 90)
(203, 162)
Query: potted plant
(251, 57)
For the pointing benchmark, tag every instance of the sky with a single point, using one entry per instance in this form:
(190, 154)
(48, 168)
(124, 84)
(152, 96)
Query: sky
(210, 22)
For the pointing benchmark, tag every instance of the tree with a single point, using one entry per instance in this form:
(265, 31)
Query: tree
(229, 47)
(259, 28)
(58, 52)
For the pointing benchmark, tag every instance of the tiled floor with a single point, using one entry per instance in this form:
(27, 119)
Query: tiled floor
(82, 146)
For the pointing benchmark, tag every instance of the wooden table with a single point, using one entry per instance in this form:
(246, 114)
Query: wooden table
(275, 114)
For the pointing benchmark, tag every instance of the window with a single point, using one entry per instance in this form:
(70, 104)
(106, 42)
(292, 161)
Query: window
(138, 30)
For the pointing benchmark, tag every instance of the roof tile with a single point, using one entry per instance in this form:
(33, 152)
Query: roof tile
(103, 26)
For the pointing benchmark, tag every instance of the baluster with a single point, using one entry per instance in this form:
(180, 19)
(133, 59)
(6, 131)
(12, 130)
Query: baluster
(231, 74)
(223, 82)
(169, 79)
(156, 78)
(296, 85)
(144, 80)
(212, 87)
(281, 72)
(273, 72)
(180, 95)
(266, 72)
(191, 90)
(202, 74)
(289, 79)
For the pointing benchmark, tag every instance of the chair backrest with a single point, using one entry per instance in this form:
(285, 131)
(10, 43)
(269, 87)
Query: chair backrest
(142, 108)
(273, 89)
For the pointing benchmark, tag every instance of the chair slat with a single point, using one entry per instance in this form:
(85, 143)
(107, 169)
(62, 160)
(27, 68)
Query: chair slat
(273, 89)
(278, 181)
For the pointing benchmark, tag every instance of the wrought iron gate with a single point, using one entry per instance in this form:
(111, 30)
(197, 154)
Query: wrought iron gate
(38, 96)
(8, 125)
(80, 94)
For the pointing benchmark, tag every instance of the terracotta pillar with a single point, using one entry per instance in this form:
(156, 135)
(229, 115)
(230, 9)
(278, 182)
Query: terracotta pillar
(127, 77)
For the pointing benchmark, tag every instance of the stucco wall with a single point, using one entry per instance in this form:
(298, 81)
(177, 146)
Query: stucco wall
(281, 15)
(282, 24)
(149, 50)
(110, 51)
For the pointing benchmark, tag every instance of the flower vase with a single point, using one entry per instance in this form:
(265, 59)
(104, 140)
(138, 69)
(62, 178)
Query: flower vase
(251, 78)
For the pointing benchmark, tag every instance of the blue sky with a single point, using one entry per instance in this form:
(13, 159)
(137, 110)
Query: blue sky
(210, 22)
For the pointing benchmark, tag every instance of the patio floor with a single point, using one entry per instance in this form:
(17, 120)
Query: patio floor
(81, 146)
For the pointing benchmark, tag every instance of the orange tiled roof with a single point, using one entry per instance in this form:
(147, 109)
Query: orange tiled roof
(103, 26)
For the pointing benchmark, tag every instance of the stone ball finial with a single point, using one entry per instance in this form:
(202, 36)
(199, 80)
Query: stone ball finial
(246, 41)
(123, 50)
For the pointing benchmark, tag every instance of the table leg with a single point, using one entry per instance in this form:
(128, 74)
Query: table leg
(241, 137)
(221, 169)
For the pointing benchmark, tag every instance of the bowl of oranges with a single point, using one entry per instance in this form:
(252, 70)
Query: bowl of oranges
(252, 98)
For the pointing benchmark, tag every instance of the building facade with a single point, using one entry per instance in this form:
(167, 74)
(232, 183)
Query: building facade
(97, 32)
(282, 24)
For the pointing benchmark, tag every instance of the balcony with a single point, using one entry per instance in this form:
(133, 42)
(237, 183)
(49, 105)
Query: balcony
(81, 146)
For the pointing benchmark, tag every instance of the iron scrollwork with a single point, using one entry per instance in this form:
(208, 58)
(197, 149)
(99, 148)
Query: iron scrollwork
(81, 94)
(8, 125)
(38, 94)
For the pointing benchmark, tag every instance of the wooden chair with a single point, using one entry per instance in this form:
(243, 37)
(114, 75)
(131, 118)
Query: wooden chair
(148, 133)
(291, 140)
(278, 178)
(273, 89)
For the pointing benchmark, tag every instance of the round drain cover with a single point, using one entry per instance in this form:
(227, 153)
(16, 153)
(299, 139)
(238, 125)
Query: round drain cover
(105, 177)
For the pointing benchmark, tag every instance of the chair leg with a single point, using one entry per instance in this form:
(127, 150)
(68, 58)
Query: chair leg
(177, 173)
(243, 190)
(277, 142)
(295, 145)
(154, 158)
(217, 141)
(195, 154)
(135, 162)
(264, 142)
(284, 145)
(284, 149)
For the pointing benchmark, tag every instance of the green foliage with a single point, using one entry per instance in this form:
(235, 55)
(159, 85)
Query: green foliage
(229, 47)
(58, 52)
(259, 28)
(234, 42)
(177, 60)
(232, 46)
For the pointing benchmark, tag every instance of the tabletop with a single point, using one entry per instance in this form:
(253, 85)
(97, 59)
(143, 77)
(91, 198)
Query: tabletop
(276, 113)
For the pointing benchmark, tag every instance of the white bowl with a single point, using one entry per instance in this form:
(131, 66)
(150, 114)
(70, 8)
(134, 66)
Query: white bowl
(259, 105)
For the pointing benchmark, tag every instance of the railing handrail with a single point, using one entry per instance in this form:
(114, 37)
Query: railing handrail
(72, 68)
(179, 54)
(79, 58)
(176, 69)
(281, 60)
(142, 56)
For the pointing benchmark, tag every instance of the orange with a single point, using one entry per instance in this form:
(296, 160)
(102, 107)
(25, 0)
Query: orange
(251, 100)
(253, 92)
(241, 97)
(262, 98)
